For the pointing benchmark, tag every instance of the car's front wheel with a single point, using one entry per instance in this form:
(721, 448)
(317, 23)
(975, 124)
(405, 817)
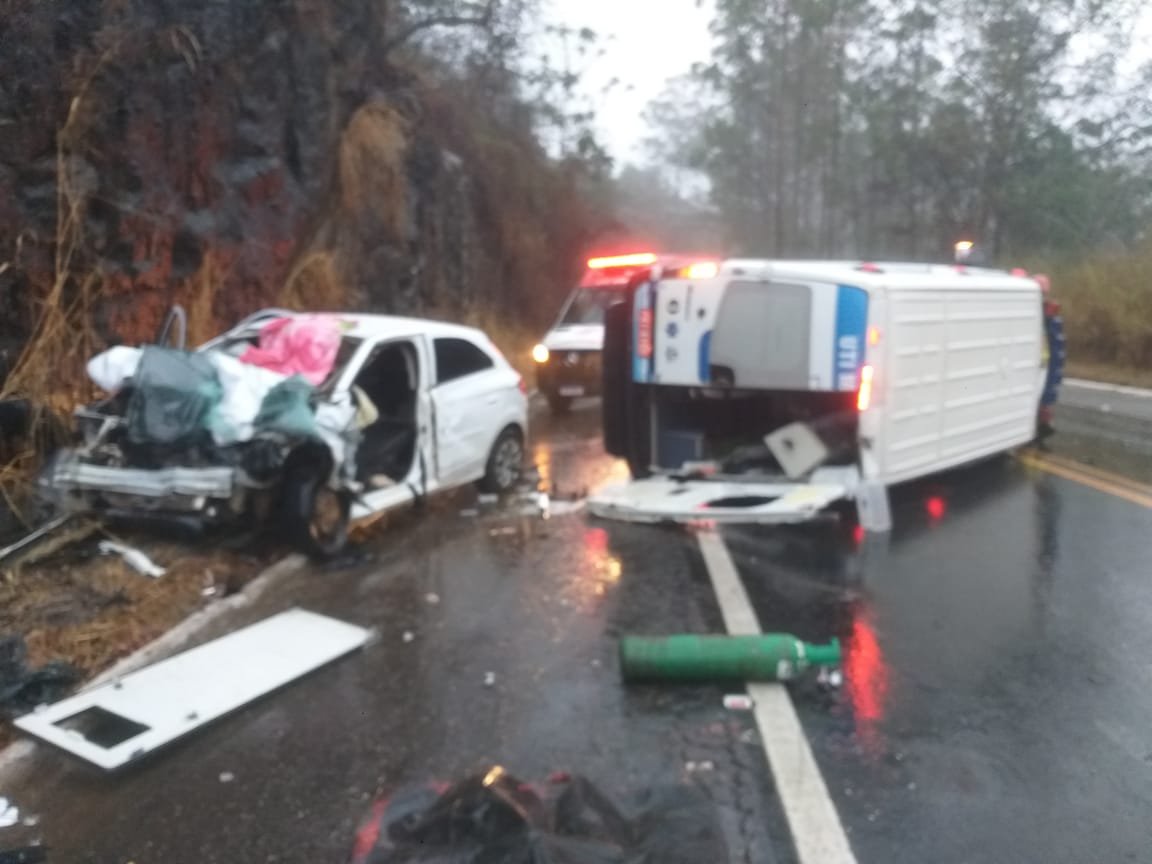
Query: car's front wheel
(505, 463)
(318, 516)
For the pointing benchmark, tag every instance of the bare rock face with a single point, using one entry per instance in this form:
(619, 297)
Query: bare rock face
(229, 155)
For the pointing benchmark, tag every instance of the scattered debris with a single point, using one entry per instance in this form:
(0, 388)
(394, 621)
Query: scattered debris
(33, 537)
(134, 558)
(488, 500)
(489, 679)
(9, 814)
(409, 636)
(505, 531)
(700, 767)
(33, 821)
(432, 598)
(125, 719)
(494, 816)
(738, 702)
(567, 508)
(227, 776)
(470, 513)
(830, 677)
(748, 736)
(22, 689)
(24, 855)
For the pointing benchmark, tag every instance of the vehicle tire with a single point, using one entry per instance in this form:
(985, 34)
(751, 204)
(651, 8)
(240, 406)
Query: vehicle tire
(505, 463)
(557, 404)
(318, 516)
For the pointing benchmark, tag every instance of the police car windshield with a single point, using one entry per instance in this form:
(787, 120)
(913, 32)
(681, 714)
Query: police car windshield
(588, 305)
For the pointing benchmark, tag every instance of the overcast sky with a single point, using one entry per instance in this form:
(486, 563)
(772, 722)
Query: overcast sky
(646, 42)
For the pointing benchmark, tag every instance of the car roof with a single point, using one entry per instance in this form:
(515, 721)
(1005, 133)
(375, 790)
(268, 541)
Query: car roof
(887, 274)
(370, 326)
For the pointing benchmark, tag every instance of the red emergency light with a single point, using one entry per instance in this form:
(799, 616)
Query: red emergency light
(637, 259)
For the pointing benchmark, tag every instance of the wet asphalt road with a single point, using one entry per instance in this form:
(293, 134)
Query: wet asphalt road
(995, 706)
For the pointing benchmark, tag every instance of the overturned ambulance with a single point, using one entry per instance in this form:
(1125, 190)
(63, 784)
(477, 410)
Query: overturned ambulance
(773, 391)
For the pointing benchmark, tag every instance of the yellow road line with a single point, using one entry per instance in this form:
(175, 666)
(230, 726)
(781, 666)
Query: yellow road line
(1092, 471)
(1094, 478)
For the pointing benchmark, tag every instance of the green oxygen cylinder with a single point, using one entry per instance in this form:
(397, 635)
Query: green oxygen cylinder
(768, 657)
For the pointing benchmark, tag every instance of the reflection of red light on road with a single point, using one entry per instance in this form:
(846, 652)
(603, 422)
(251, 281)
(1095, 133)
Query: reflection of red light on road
(866, 680)
(936, 507)
(596, 541)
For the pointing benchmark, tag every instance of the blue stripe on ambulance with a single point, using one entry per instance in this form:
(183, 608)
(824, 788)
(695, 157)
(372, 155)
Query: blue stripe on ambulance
(641, 366)
(851, 330)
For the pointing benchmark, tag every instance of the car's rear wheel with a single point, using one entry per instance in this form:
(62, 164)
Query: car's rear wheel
(505, 463)
(318, 516)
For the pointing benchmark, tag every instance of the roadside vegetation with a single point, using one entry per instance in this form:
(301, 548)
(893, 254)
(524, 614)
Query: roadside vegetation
(1107, 304)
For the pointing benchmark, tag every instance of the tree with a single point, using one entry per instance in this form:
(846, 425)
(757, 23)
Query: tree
(891, 127)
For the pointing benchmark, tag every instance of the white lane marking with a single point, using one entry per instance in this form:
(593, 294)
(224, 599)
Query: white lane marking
(812, 818)
(1109, 388)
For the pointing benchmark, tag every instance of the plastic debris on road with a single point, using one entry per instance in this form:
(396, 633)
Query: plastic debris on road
(489, 679)
(739, 702)
(494, 817)
(227, 776)
(432, 598)
(9, 813)
(830, 677)
(134, 558)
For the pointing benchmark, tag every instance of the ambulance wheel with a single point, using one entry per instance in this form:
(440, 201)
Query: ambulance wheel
(558, 404)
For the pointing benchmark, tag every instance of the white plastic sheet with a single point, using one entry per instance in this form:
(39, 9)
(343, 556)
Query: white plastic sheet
(244, 387)
(110, 369)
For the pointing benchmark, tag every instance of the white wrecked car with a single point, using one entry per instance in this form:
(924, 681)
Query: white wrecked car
(307, 433)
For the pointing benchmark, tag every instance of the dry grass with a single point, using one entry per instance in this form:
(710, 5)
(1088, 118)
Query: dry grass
(1110, 374)
(314, 283)
(200, 299)
(92, 611)
(373, 171)
(1107, 303)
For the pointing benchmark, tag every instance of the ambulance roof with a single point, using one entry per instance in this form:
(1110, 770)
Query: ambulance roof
(893, 275)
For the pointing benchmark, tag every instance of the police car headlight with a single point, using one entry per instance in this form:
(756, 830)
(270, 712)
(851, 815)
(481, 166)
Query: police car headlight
(541, 354)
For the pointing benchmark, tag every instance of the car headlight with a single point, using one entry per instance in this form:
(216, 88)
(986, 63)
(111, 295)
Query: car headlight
(541, 354)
